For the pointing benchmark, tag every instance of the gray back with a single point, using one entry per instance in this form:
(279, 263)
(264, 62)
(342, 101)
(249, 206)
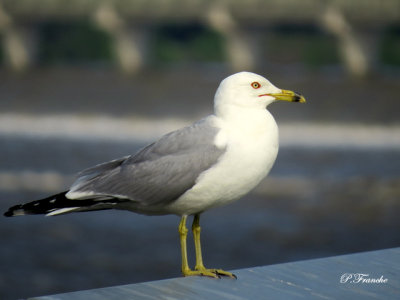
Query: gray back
(160, 172)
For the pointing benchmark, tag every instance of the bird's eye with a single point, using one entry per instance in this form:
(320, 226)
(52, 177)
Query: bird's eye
(255, 85)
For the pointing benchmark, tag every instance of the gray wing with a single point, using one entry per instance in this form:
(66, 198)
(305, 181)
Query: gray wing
(159, 173)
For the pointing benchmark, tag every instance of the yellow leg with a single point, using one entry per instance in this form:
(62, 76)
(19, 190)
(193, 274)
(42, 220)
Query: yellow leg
(183, 235)
(196, 229)
(199, 268)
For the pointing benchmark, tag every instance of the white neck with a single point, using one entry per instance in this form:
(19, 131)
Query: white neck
(245, 118)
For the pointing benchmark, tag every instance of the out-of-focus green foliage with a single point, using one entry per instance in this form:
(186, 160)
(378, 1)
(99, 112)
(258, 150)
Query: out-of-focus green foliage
(1, 49)
(192, 42)
(390, 46)
(302, 43)
(73, 43)
(82, 42)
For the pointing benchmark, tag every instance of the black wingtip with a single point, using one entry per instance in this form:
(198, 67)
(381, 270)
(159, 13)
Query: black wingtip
(11, 211)
(55, 204)
(35, 207)
(8, 213)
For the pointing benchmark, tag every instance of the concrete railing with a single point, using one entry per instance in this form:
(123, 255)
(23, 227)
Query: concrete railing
(368, 275)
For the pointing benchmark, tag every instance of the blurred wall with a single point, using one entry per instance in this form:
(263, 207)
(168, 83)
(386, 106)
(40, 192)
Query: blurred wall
(362, 36)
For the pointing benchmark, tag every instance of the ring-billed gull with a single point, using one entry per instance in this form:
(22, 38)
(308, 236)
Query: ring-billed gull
(210, 163)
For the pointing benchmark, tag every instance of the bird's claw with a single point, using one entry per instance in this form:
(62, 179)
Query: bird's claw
(214, 273)
(221, 273)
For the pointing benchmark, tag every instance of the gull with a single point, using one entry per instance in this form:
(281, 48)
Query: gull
(210, 163)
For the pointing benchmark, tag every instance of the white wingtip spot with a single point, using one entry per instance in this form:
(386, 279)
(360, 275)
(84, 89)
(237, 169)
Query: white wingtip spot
(61, 211)
(78, 195)
(18, 212)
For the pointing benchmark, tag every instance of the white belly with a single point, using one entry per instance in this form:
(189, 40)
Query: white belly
(249, 157)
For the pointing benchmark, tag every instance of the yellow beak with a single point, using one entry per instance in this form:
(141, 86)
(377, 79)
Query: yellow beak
(290, 96)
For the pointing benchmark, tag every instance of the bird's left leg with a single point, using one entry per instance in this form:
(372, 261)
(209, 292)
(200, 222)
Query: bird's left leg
(199, 258)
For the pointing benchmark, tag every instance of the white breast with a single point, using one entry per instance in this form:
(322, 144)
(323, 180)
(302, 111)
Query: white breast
(251, 149)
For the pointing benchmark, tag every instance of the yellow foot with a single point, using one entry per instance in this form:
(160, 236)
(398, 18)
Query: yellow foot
(214, 273)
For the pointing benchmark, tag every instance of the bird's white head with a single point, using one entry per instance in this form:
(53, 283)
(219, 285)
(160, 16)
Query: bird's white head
(250, 90)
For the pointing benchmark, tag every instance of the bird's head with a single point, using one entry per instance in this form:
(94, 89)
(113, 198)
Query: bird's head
(249, 90)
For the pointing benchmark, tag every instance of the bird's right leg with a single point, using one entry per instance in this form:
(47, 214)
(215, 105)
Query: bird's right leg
(216, 273)
(186, 271)
(200, 269)
(183, 231)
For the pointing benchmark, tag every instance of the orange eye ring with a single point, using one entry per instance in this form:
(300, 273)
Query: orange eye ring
(255, 85)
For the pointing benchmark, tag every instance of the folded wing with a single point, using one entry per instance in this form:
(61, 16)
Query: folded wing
(159, 173)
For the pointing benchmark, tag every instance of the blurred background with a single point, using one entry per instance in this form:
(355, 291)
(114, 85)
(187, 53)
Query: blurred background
(82, 82)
